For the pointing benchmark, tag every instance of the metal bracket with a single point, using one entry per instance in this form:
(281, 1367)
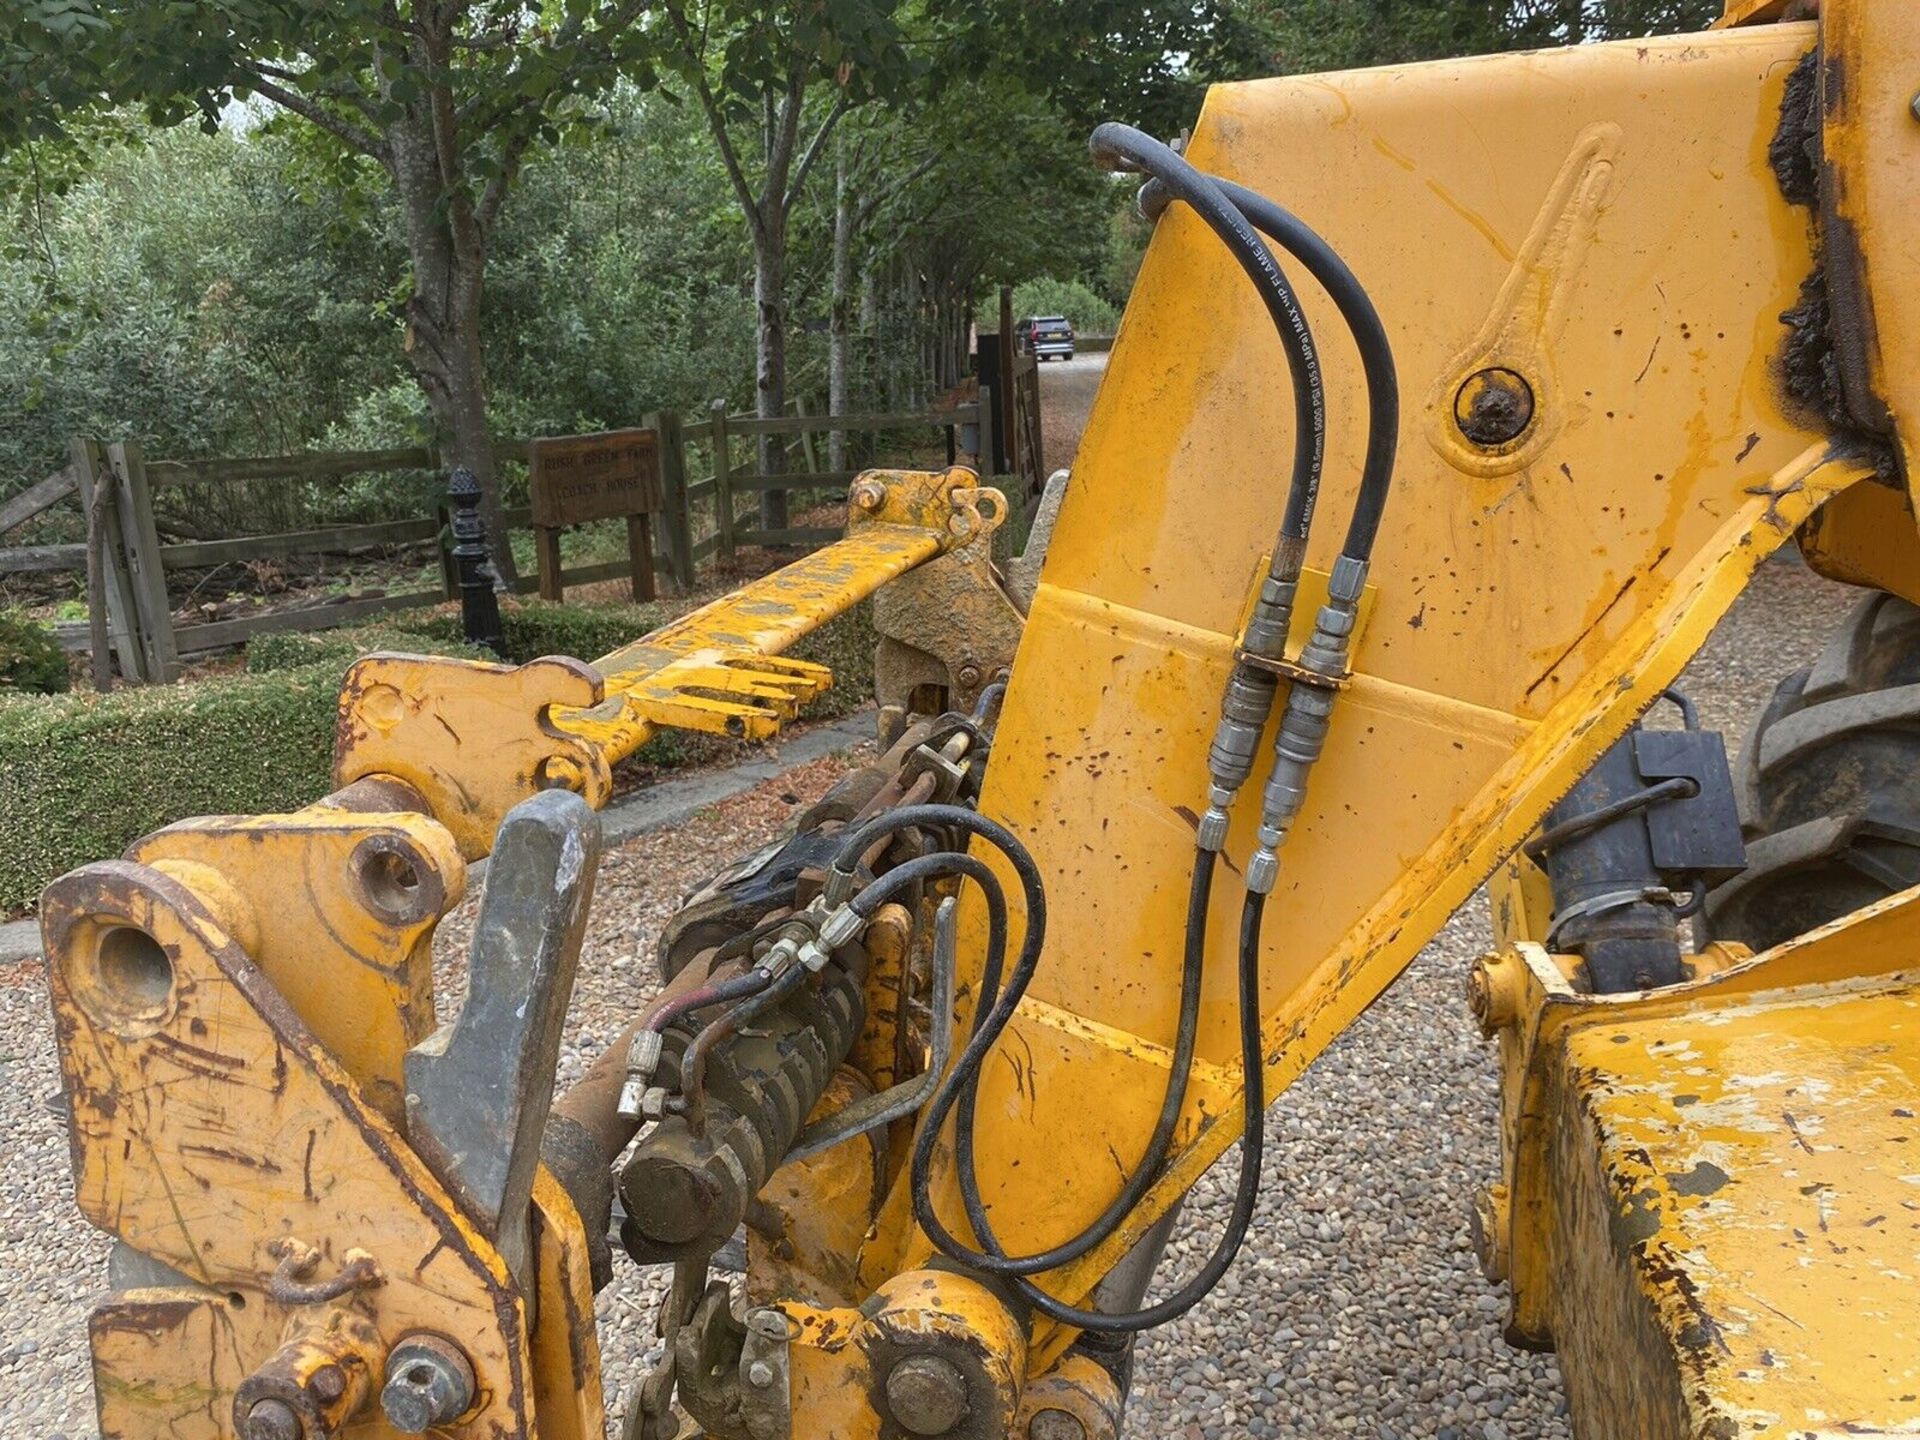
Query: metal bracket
(478, 1090)
(766, 1390)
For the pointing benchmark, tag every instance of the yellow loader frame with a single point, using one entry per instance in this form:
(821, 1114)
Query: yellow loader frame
(1708, 1206)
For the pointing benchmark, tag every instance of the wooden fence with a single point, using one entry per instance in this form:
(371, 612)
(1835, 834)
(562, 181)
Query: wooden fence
(115, 485)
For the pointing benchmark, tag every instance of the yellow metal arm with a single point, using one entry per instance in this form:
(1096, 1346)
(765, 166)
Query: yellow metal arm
(476, 739)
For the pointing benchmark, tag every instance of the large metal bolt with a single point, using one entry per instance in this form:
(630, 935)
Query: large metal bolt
(968, 677)
(271, 1419)
(928, 1395)
(869, 495)
(1494, 992)
(429, 1383)
(1055, 1425)
(760, 1374)
(1493, 407)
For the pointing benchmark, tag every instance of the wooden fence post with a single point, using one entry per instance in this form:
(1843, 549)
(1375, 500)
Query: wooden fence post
(110, 581)
(143, 559)
(546, 561)
(722, 483)
(675, 519)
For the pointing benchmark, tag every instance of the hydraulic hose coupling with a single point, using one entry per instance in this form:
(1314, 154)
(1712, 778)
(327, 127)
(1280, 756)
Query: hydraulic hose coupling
(1244, 708)
(1303, 726)
(1243, 715)
(1271, 619)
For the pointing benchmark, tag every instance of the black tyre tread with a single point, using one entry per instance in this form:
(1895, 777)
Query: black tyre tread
(1829, 783)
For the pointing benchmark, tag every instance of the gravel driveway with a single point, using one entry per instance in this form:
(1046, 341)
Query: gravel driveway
(1356, 1308)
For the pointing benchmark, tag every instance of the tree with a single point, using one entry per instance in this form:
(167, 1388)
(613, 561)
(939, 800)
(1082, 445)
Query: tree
(773, 81)
(1312, 35)
(444, 99)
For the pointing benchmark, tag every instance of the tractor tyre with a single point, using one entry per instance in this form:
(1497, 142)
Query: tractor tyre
(1829, 784)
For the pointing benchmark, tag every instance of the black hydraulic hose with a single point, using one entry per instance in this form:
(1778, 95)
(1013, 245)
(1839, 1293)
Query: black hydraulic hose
(995, 1010)
(714, 992)
(1356, 307)
(1186, 1039)
(933, 867)
(1121, 147)
(1246, 1188)
(846, 859)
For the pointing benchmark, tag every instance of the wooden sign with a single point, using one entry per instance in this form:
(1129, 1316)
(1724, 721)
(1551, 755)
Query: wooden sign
(576, 478)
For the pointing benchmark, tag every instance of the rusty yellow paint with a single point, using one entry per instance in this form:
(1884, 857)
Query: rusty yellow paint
(209, 1125)
(720, 668)
(338, 911)
(1077, 1386)
(824, 1205)
(565, 1341)
(474, 739)
(1530, 603)
(839, 1358)
(882, 1045)
(1870, 192)
(1713, 1216)
(1867, 536)
(158, 1360)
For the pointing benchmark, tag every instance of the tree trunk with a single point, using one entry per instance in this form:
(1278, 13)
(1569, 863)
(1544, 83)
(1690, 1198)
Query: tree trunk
(449, 259)
(770, 376)
(839, 338)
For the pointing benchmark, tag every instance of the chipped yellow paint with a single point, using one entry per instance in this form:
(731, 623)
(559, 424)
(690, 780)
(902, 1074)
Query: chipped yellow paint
(718, 670)
(474, 739)
(1870, 51)
(1714, 1218)
(208, 1123)
(565, 1342)
(1523, 617)
(839, 1358)
(1762, 1174)
(317, 900)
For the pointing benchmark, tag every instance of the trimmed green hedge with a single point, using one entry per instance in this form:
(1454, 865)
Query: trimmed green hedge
(82, 776)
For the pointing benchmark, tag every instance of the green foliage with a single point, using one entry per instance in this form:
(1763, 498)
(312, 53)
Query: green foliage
(30, 658)
(1312, 35)
(1091, 314)
(1147, 62)
(84, 775)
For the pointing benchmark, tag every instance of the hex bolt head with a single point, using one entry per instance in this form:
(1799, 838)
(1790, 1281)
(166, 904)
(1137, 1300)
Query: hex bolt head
(927, 1394)
(272, 1419)
(1493, 407)
(869, 495)
(429, 1383)
(969, 676)
(1055, 1425)
(760, 1374)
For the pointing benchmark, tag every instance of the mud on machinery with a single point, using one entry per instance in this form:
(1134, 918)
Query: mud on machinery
(1634, 318)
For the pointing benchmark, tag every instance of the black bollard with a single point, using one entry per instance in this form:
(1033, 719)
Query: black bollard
(479, 605)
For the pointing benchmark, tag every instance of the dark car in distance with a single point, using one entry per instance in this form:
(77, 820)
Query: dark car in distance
(1045, 336)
